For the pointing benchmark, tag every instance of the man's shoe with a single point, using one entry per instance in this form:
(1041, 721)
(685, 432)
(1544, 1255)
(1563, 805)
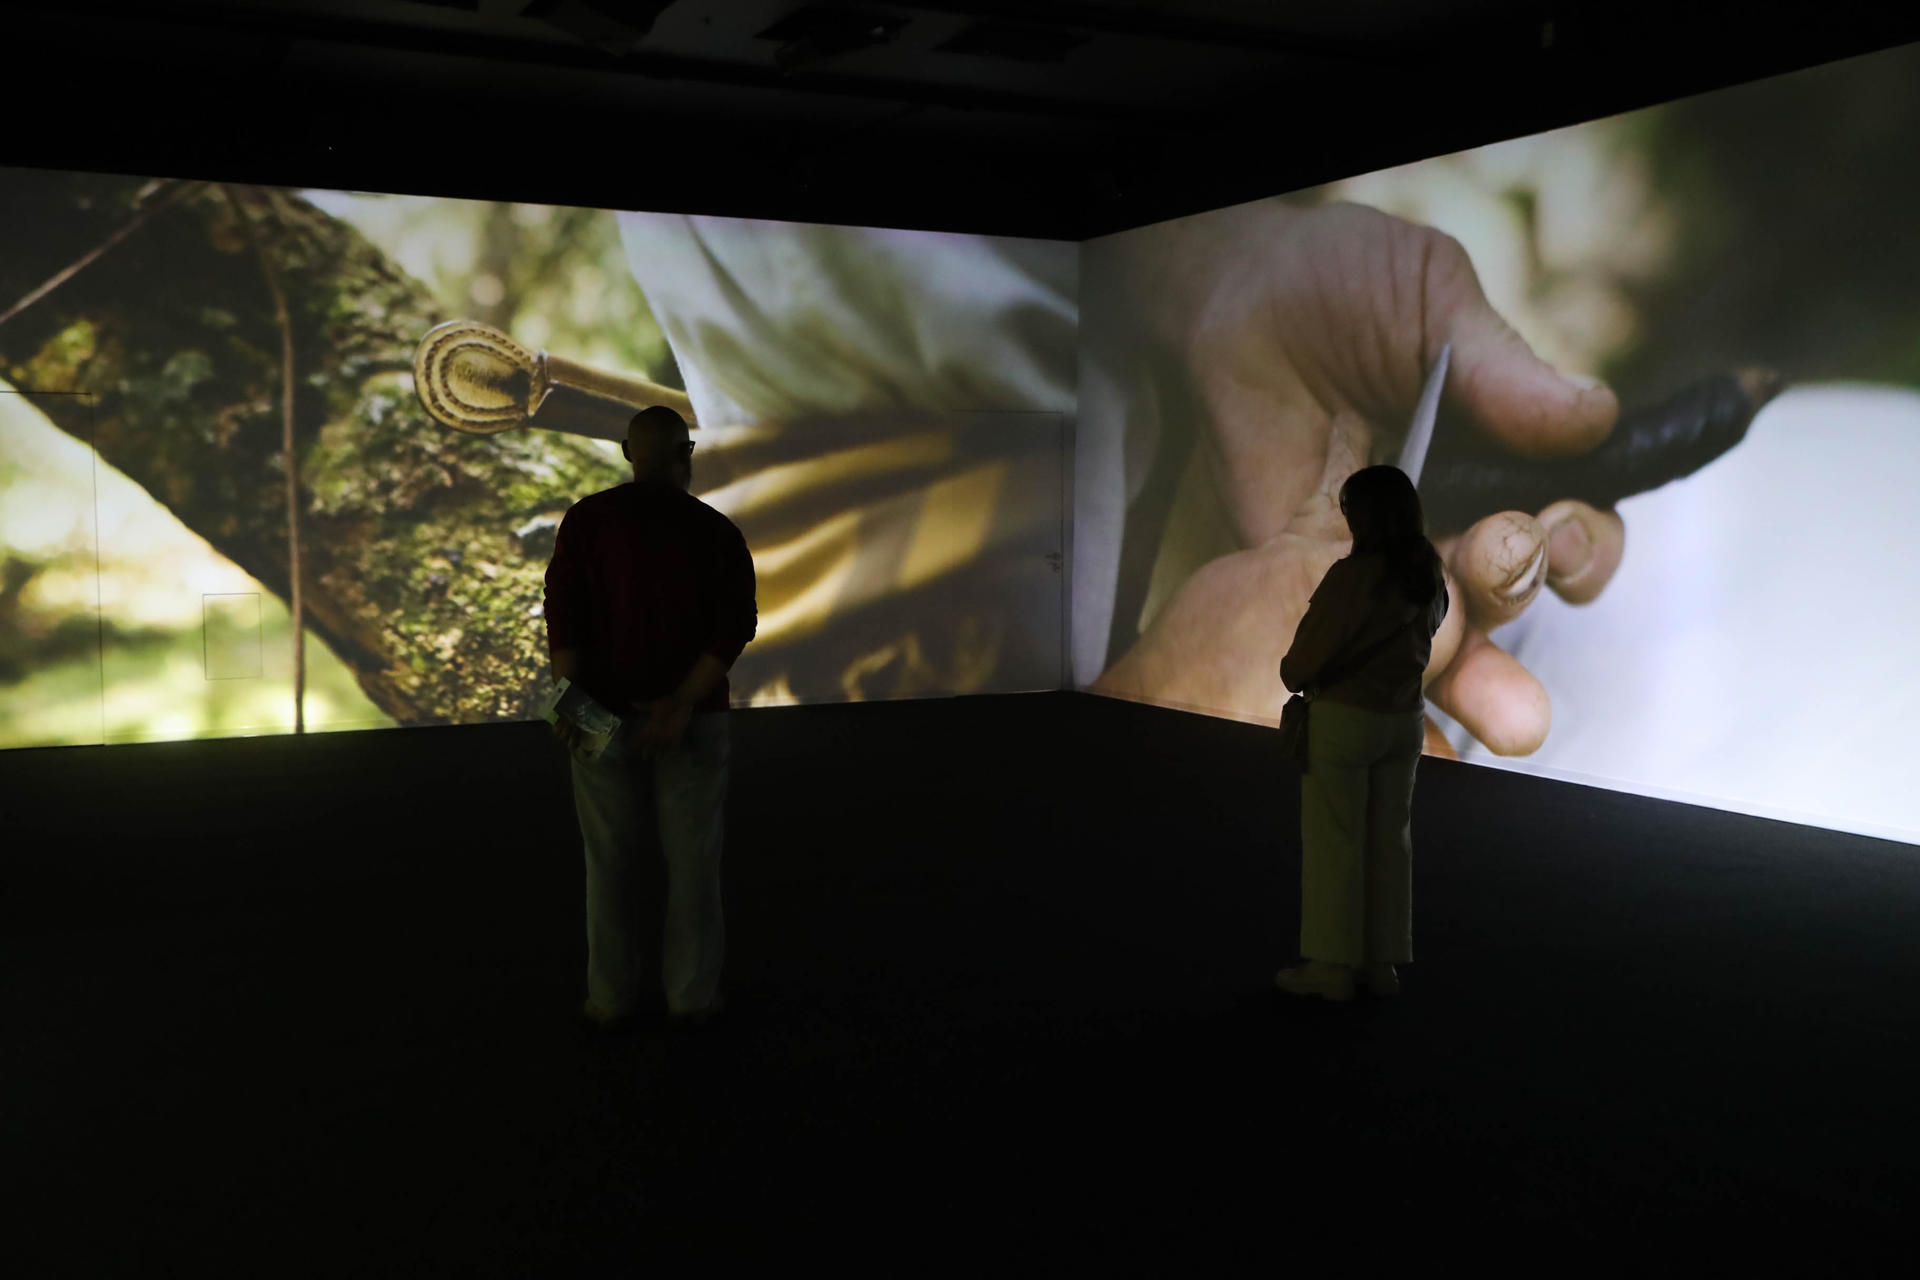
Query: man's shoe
(694, 1019)
(1381, 980)
(1328, 981)
(610, 1023)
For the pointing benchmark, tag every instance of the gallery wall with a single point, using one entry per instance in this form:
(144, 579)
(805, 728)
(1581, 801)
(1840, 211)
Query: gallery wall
(1671, 474)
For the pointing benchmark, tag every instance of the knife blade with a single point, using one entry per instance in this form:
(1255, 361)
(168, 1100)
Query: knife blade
(1413, 454)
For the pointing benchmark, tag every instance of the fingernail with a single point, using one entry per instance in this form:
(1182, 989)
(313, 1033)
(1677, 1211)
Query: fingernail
(1584, 382)
(1528, 578)
(1569, 548)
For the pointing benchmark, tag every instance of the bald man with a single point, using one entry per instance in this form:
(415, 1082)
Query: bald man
(649, 600)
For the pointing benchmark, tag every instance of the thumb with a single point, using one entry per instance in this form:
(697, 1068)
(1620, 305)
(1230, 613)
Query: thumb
(1513, 395)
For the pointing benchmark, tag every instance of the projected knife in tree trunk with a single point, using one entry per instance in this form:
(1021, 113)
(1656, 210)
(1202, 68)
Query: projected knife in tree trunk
(474, 378)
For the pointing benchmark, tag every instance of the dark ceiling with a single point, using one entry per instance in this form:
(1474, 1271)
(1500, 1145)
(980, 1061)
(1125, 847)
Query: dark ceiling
(1024, 117)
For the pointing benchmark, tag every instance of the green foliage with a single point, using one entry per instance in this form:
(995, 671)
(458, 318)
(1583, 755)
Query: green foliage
(1795, 201)
(555, 277)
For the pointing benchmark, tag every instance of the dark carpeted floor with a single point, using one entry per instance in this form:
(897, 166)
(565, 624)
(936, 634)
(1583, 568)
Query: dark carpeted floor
(1000, 994)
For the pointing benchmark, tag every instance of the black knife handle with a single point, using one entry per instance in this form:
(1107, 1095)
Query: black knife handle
(1648, 448)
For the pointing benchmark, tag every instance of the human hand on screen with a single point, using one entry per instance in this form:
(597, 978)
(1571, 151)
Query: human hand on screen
(1305, 337)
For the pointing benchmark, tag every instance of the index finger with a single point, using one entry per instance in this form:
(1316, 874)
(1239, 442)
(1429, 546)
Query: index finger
(1530, 407)
(1495, 378)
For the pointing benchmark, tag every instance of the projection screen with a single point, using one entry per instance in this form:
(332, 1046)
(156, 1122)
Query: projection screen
(884, 414)
(1728, 610)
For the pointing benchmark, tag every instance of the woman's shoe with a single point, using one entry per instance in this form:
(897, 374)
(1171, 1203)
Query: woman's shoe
(1328, 981)
(600, 1020)
(1381, 980)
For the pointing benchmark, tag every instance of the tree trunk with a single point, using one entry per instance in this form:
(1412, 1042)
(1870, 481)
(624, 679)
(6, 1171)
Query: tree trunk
(423, 549)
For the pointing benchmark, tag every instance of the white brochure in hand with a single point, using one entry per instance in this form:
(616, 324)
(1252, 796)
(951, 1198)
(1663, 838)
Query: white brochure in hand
(569, 702)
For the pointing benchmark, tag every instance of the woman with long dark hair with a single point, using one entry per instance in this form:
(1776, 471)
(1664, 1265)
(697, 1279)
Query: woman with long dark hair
(1360, 652)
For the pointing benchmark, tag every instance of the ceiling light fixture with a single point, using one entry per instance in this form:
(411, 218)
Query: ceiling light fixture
(819, 32)
(614, 26)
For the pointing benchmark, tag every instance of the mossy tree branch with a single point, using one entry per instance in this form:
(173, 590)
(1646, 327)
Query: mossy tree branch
(422, 549)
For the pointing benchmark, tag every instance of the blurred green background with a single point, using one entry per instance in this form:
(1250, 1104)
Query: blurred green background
(1770, 223)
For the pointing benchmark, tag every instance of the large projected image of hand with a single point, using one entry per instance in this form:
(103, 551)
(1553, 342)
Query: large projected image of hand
(1302, 338)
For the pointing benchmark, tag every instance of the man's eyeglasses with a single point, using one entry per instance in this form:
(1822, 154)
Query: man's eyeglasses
(687, 448)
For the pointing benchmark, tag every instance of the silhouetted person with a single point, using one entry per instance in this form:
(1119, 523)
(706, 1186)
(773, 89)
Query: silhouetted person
(649, 599)
(1368, 632)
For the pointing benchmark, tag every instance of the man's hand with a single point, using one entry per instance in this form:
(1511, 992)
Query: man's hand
(1307, 335)
(661, 725)
(566, 733)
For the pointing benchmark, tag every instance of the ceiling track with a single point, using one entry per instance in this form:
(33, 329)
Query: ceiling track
(1162, 25)
(286, 28)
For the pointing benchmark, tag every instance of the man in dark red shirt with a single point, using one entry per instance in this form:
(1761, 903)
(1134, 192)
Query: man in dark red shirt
(650, 598)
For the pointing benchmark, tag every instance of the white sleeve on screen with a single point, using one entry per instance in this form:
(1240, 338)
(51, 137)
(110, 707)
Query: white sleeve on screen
(1755, 649)
(781, 321)
(1100, 497)
(1117, 435)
